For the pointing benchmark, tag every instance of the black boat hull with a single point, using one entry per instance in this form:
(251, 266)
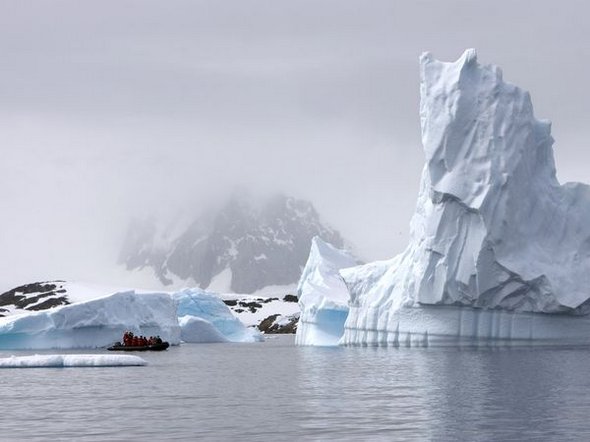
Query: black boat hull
(154, 347)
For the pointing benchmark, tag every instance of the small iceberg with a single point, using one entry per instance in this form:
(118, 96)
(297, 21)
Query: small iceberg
(36, 361)
(203, 317)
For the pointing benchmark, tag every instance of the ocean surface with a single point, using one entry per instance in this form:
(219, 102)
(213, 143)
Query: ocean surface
(276, 391)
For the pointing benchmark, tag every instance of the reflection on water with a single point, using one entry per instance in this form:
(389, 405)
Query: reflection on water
(277, 391)
(448, 394)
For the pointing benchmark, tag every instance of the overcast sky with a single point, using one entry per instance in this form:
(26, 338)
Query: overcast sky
(115, 108)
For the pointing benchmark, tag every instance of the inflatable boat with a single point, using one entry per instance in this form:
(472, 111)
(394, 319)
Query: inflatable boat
(117, 346)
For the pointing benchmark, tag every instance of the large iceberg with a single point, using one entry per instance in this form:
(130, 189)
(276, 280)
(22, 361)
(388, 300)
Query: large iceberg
(323, 297)
(499, 251)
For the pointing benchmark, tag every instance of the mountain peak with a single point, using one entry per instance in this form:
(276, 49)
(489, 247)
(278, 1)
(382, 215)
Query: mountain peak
(248, 243)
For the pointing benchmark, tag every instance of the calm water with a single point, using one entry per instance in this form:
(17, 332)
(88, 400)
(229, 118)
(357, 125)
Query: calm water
(275, 391)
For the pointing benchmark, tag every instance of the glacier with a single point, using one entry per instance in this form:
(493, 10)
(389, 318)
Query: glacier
(499, 251)
(323, 296)
(191, 315)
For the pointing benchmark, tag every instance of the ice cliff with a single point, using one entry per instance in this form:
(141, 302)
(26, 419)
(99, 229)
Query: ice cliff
(323, 297)
(499, 250)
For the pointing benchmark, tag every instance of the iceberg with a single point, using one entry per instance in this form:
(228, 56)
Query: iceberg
(191, 315)
(91, 324)
(36, 361)
(203, 317)
(499, 251)
(323, 296)
(196, 330)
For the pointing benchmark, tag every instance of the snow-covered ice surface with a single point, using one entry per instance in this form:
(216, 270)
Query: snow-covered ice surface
(36, 361)
(85, 291)
(323, 297)
(95, 323)
(204, 317)
(499, 250)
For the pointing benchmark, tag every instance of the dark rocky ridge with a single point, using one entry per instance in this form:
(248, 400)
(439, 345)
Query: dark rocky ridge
(262, 245)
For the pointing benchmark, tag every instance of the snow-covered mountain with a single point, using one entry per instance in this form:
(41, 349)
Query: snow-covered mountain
(240, 248)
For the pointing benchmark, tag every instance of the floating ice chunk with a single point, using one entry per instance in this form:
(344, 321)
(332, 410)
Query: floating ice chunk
(71, 361)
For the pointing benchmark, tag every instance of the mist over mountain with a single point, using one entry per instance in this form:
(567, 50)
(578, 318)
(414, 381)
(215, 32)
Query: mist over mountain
(242, 247)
